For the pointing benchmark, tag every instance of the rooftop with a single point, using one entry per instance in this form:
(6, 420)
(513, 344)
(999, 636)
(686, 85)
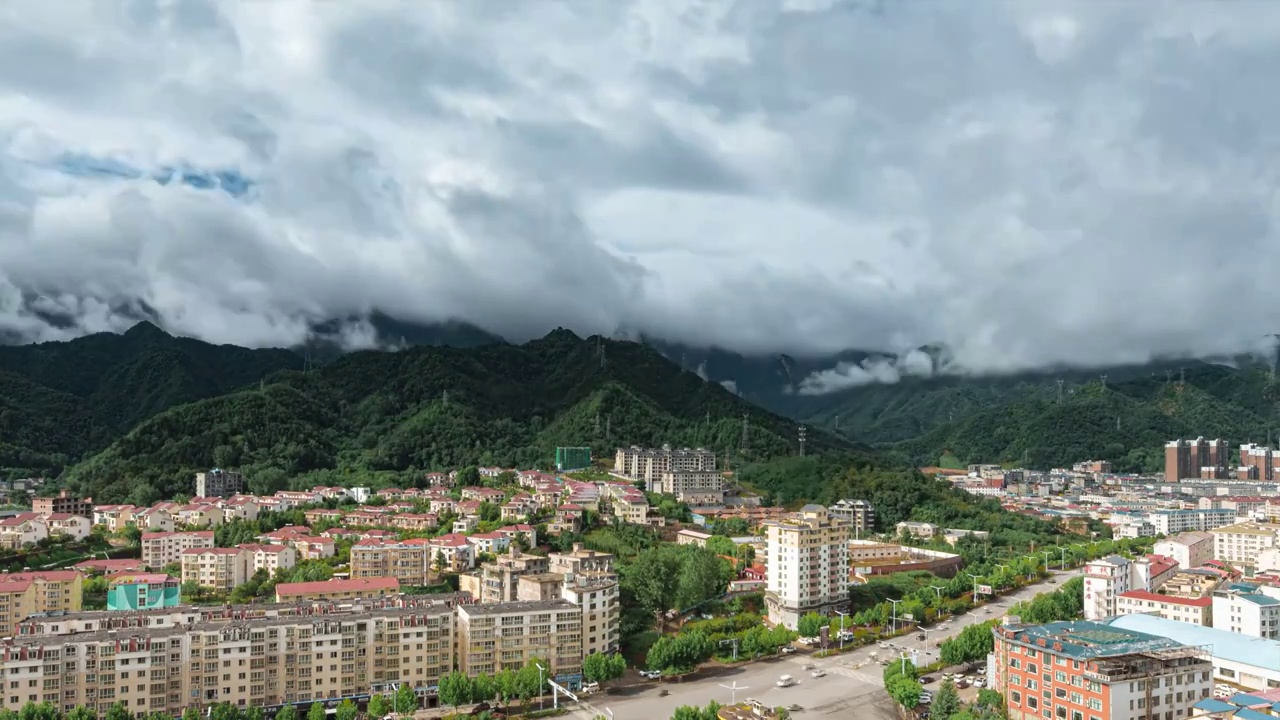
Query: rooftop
(1084, 640)
(372, 585)
(511, 608)
(1244, 649)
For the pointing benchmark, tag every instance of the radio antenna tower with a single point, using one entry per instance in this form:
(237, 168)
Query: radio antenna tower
(745, 432)
(1060, 381)
(802, 431)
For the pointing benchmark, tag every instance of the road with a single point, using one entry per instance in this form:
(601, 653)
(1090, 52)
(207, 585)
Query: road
(853, 681)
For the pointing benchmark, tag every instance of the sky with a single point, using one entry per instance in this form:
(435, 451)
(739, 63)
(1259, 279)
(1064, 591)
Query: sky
(1024, 183)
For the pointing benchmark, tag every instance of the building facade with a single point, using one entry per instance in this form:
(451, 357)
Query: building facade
(860, 515)
(63, 502)
(1241, 608)
(219, 483)
(165, 548)
(1199, 458)
(1242, 543)
(1189, 549)
(808, 565)
(1091, 671)
(648, 464)
(149, 591)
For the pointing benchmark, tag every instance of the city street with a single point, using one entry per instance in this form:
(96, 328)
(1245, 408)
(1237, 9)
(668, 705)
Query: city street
(853, 680)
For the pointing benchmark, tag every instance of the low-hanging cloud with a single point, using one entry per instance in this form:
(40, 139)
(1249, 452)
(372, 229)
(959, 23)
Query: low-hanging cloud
(885, 370)
(1025, 183)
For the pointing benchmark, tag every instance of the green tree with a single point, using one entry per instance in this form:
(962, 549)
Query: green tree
(379, 707)
(406, 700)
(347, 710)
(117, 711)
(506, 686)
(80, 712)
(599, 667)
(810, 624)
(455, 689)
(483, 688)
(288, 712)
(316, 712)
(529, 681)
(253, 713)
(947, 701)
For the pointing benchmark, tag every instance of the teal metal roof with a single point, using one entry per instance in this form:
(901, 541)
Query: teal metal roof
(1086, 639)
(1214, 705)
(1244, 649)
(1257, 599)
(1247, 714)
(1247, 700)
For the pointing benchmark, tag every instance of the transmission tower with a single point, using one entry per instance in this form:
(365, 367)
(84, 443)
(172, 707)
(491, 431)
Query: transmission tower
(1182, 378)
(837, 426)
(802, 431)
(1060, 382)
(306, 360)
(444, 398)
(597, 424)
(607, 430)
(746, 436)
(1104, 381)
(1117, 422)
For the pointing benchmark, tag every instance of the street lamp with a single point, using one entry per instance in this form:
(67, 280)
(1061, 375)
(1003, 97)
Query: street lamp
(975, 585)
(541, 695)
(893, 616)
(938, 589)
(734, 690)
(1064, 558)
(842, 615)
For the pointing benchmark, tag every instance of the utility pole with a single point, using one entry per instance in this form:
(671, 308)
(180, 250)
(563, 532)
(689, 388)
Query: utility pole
(734, 642)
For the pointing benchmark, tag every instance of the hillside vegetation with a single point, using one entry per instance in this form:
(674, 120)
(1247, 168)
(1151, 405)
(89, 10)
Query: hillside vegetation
(1023, 419)
(382, 418)
(60, 401)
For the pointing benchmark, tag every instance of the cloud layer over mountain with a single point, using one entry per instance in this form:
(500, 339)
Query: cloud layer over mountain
(1027, 183)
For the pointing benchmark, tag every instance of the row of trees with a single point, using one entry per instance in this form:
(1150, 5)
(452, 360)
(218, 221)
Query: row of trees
(404, 702)
(902, 683)
(974, 642)
(747, 629)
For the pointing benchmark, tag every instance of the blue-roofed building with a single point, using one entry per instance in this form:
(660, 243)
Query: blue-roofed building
(1240, 607)
(1245, 661)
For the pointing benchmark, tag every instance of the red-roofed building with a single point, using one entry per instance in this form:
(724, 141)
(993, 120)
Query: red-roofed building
(337, 589)
(1171, 607)
(454, 551)
(270, 557)
(110, 567)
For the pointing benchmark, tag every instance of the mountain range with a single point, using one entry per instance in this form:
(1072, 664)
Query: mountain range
(132, 416)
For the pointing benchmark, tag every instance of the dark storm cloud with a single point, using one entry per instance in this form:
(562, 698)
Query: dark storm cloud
(1024, 183)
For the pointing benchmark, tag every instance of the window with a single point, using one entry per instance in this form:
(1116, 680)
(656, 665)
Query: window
(1017, 697)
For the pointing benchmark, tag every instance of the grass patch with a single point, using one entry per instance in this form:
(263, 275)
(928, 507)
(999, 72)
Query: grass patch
(950, 462)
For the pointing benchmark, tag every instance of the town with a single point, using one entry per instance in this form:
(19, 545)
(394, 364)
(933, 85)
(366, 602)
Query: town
(479, 577)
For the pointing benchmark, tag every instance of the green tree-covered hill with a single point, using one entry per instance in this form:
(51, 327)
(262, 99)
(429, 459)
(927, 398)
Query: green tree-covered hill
(386, 417)
(60, 401)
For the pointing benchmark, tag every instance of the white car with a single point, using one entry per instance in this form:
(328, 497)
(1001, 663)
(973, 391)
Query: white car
(650, 674)
(819, 673)
(788, 650)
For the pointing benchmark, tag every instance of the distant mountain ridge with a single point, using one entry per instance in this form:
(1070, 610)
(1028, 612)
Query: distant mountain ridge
(132, 416)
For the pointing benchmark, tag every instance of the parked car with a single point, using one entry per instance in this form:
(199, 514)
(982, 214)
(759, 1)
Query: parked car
(926, 680)
(786, 681)
(650, 674)
(920, 637)
(787, 650)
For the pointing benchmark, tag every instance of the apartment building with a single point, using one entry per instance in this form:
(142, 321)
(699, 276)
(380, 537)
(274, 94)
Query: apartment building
(860, 515)
(1257, 462)
(28, 593)
(405, 561)
(808, 565)
(216, 568)
(1172, 522)
(581, 561)
(1105, 580)
(335, 589)
(1079, 670)
(703, 487)
(249, 656)
(165, 548)
(497, 581)
(1242, 608)
(922, 530)
(506, 636)
(1197, 610)
(269, 557)
(18, 531)
(63, 502)
(219, 483)
(1199, 458)
(648, 464)
(1243, 542)
(596, 597)
(1189, 549)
